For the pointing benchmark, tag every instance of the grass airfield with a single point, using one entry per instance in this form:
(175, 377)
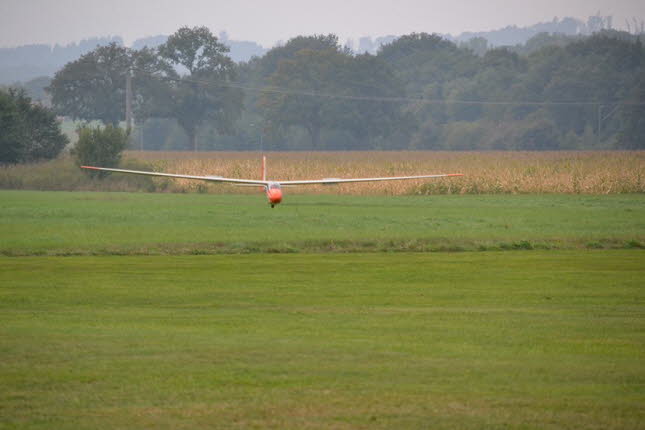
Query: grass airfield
(92, 223)
(549, 332)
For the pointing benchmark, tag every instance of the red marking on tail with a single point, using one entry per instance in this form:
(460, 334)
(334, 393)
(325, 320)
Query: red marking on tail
(264, 168)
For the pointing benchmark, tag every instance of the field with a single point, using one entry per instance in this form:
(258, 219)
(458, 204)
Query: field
(62, 223)
(522, 311)
(579, 172)
(590, 172)
(539, 339)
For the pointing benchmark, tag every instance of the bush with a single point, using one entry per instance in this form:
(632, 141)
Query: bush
(62, 174)
(100, 147)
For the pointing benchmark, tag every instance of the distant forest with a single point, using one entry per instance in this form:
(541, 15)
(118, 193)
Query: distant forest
(22, 64)
(581, 88)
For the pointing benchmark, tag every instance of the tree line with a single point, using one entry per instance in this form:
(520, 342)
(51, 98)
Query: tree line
(420, 91)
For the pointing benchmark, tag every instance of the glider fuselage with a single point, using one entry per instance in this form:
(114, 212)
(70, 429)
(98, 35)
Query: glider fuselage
(274, 193)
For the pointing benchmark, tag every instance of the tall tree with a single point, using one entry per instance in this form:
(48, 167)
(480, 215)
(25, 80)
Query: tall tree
(334, 90)
(93, 87)
(371, 113)
(203, 93)
(258, 73)
(421, 59)
(11, 143)
(30, 132)
(151, 78)
(632, 134)
(270, 62)
(308, 74)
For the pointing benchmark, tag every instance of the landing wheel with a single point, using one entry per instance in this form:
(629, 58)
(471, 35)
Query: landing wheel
(272, 206)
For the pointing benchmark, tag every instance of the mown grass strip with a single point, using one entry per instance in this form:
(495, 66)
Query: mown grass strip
(451, 340)
(62, 223)
(329, 246)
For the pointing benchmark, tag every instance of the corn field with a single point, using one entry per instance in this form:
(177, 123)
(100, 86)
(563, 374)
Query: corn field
(589, 172)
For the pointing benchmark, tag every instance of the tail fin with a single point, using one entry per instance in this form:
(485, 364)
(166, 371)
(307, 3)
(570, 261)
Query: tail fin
(264, 168)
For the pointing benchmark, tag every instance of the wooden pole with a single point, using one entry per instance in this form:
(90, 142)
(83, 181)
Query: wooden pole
(128, 100)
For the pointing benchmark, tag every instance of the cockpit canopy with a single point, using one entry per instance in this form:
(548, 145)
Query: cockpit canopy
(274, 186)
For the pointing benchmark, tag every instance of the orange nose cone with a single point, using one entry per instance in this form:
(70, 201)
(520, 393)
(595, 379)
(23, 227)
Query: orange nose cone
(275, 196)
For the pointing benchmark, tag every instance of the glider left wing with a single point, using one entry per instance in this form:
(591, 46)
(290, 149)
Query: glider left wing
(172, 175)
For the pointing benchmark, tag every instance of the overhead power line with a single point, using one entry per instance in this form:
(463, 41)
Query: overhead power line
(419, 100)
(311, 93)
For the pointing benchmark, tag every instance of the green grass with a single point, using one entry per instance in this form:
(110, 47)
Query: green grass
(87, 223)
(541, 339)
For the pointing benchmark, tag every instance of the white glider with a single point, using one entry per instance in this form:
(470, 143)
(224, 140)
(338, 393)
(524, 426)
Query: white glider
(273, 189)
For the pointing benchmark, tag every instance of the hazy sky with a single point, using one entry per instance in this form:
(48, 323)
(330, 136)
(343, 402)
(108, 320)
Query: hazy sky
(63, 21)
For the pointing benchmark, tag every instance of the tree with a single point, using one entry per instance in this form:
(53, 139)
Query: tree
(270, 62)
(30, 132)
(368, 76)
(331, 89)
(11, 126)
(35, 89)
(93, 87)
(150, 84)
(100, 146)
(308, 73)
(421, 59)
(258, 73)
(202, 94)
(632, 134)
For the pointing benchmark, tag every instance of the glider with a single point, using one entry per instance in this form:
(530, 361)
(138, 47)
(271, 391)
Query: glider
(273, 189)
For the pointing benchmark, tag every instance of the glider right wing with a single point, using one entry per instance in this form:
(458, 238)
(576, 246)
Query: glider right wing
(332, 181)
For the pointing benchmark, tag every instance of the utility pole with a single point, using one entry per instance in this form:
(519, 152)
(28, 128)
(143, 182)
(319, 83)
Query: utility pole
(128, 100)
(599, 122)
(602, 117)
(261, 129)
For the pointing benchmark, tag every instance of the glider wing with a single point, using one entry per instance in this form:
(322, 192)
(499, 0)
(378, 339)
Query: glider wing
(331, 181)
(171, 175)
